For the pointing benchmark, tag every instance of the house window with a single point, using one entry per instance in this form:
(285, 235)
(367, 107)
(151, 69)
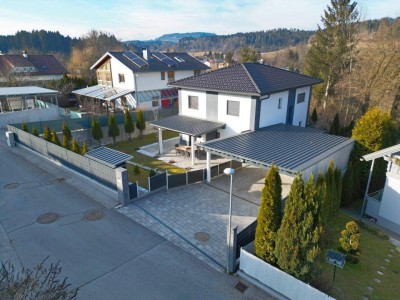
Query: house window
(162, 75)
(279, 103)
(301, 98)
(121, 78)
(171, 76)
(196, 72)
(154, 103)
(233, 108)
(193, 102)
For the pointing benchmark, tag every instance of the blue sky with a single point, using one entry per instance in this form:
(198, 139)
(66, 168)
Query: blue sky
(147, 19)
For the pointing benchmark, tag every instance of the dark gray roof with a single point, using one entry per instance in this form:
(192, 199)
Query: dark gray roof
(247, 78)
(187, 125)
(190, 63)
(290, 148)
(109, 157)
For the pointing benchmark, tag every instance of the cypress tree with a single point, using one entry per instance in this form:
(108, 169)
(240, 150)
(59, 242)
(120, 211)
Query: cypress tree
(297, 244)
(113, 129)
(314, 116)
(66, 131)
(47, 134)
(96, 131)
(128, 123)
(75, 146)
(348, 192)
(338, 189)
(54, 138)
(140, 123)
(24, 127)
(84, 148)
(269, 216)
(35, 132)
(335, 126)
(323, 197)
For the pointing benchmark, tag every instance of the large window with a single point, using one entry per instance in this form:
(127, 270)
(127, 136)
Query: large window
(301, 98)
(233, 108)
(193, 102)
(171, 76)
(121, 78)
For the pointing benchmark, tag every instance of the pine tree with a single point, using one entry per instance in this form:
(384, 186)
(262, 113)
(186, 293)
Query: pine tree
(75, 146)
(335, 126)
(24, 127)
(314, 116)
(97, 133)
(54, 138)
(113, 129)
(66, 131)
(269, 216)
(140, 123)
(297, 244)
(35, 132)
(47, 134)
(65, 141)
(84, 148)
(128, 123)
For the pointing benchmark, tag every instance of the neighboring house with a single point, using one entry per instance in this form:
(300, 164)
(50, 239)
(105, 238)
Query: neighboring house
(384, 205)
(257, 114)
(26, 67)
(140, 79)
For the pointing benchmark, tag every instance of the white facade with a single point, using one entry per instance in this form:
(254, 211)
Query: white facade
(301, 109)
(274, 109)
(195, 113)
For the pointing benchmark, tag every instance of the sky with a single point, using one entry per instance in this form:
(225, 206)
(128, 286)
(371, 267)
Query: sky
(148, 19)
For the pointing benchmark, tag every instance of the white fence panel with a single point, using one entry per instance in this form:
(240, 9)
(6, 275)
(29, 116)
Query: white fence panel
(278, 280)
(373, 207)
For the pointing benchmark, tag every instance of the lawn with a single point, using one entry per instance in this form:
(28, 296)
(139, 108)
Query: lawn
(131, 148)
(353, 280)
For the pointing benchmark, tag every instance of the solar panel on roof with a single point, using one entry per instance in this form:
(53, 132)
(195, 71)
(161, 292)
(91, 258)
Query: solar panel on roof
(136, 59)
(165, 59)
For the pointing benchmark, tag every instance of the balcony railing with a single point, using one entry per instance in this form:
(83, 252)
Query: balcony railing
(377, 196)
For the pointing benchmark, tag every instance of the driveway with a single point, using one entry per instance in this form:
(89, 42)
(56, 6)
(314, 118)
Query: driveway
(101, 251)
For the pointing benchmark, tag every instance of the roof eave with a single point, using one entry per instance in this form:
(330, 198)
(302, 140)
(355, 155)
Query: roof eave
(213, 90)
(100, 60)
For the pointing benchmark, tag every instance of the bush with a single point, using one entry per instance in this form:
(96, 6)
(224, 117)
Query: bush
(152, 173)
(350, 238)
(136, 170)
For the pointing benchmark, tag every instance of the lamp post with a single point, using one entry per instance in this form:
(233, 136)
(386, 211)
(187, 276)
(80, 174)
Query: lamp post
(229, 171)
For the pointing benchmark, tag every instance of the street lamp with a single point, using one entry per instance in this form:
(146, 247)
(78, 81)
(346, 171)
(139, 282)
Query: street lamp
(229, 171)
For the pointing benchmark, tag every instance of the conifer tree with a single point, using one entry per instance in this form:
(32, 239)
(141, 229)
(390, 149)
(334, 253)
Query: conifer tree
(47, 134)
(35, 132)
(66, 131)
(128, 123)
(335, 126)
(314, 116)
(140, 123)
(338, 188)
(84, 148)
(269, 216)
(97, 133)
(75, 146)
(348, 192)
(297, 244)
(152, 173)
(322, 193)
(54, 138)
(24, 127)
(331, 189)
(65, 141)
(113, 129)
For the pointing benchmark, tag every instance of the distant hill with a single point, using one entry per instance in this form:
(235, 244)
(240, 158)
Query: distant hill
(175, 37)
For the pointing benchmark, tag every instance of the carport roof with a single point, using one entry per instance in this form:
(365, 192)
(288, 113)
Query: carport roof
(109, 157)
(291, 148)
(187, 125)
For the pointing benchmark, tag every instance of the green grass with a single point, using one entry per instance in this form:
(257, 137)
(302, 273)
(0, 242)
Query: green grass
(352, 281)
(141, 178)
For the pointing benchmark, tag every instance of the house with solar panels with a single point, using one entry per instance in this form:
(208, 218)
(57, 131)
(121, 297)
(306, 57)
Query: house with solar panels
(256, 114)
(128, 79)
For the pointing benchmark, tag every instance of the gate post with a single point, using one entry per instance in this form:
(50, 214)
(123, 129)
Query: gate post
(121, 175)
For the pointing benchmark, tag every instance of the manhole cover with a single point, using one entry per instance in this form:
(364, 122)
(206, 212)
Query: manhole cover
(94, 215)
(47, 218)
(11, 186)
(202, 236)
(55, 181)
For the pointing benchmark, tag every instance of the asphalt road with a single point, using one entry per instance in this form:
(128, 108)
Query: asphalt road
(109, 258)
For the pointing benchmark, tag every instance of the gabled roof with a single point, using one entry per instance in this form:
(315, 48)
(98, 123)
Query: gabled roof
(44, 64)
(188, 63)
(247, 78)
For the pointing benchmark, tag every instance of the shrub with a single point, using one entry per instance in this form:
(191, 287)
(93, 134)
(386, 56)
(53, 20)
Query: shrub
(24, 127)
(152, 173)
(35, 132)
(350, 238)
(136, 170)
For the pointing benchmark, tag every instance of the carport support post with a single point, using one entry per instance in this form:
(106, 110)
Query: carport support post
(121, 175)
(160, 143)
(208, 166)
(192, 149)
(367, 188)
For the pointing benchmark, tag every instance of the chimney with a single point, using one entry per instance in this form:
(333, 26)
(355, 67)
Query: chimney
(24, 54)
(146, 54)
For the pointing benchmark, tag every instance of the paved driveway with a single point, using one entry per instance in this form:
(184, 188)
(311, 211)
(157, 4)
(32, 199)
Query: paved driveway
(101, 251)
(180, 213)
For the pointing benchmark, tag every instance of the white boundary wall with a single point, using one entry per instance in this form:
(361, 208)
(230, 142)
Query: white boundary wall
(29, 115)
(275, 279)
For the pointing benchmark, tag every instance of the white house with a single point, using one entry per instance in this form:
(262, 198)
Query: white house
(384, 205)
(255, 113)
(140, 79)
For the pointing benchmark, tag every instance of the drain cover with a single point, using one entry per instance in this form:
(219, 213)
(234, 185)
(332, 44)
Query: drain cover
(11, 186)
(94, 215)
(241, 287)
(202, 236)
(48, 218)
(55, 181)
